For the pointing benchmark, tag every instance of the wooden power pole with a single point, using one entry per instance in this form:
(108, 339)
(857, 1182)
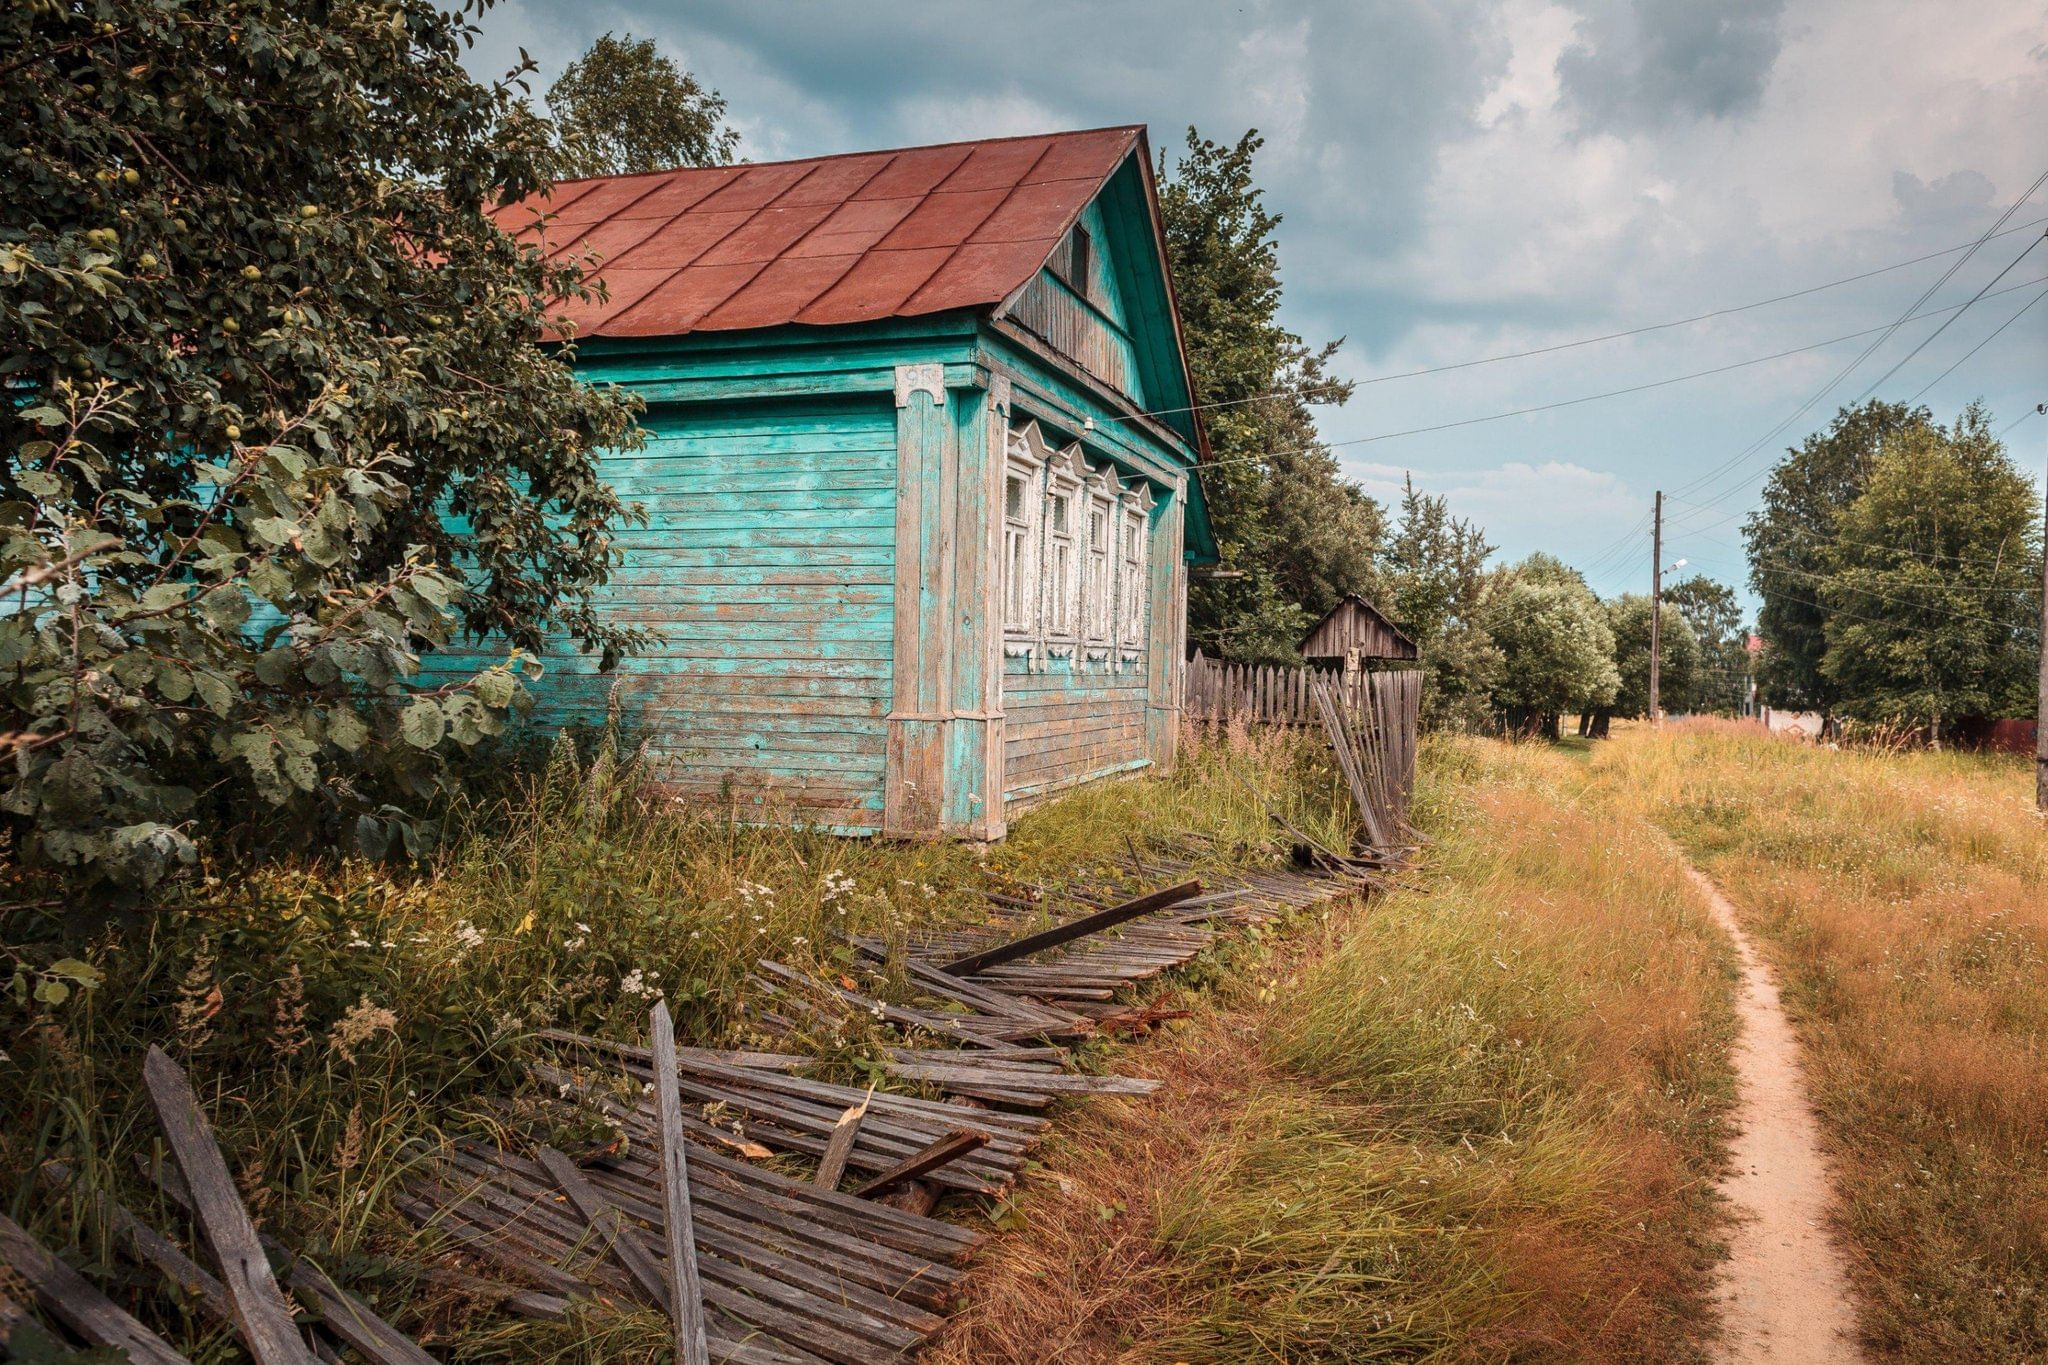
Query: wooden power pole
(1657, 604)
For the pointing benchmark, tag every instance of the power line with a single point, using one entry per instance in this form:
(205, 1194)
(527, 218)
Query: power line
(1742, 455)
(1979, 346)
(1305, 391)
(1596, 397)
(1885, 378)
(1894, 601)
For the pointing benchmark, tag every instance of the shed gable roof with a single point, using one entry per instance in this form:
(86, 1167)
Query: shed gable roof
(835, 239)
(1342, 625)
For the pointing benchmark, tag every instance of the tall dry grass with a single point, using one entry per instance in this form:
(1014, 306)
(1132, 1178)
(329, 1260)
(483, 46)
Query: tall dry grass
(1903, 896)
(1476, 1120)
(332, 1013)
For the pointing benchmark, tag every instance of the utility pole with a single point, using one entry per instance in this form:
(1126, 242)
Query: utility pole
(2041, 711)
(1657, 606)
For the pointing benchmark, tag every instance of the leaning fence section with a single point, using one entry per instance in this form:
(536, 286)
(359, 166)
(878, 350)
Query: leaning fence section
(1371, 719)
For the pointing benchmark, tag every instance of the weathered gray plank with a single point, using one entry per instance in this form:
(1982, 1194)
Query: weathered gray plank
(1071, 930)
(948, 1148)
(686, 1294)
(264, 1319)
(72, 1300)
(839, 1147)
(609, 1224)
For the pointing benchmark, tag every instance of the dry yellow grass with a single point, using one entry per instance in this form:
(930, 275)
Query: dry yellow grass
(1904, 900)
(1476, 1120)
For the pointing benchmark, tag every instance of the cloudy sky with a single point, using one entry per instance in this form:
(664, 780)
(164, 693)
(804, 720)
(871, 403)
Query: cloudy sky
(1463, 179)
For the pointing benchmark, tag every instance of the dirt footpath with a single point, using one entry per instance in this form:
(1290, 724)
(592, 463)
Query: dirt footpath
(1784, 1294)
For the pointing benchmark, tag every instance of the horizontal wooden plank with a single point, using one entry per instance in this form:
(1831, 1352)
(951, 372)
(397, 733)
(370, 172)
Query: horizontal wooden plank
(729, 580)
(823, 533)
(662, 555)
(754, 602)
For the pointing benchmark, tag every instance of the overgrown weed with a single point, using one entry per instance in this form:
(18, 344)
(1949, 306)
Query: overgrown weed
(1478, 1120)
(1903, 897)
(332, 1014)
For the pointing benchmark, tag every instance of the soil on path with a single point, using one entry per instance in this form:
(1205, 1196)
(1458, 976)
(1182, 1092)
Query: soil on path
(1784, 1294)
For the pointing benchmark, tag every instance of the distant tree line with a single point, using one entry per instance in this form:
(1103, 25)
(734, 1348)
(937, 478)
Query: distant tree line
(1899, 565)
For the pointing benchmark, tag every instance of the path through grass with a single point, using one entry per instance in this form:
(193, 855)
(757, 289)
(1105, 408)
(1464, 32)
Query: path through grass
(1475, 1120)
(1903, 899)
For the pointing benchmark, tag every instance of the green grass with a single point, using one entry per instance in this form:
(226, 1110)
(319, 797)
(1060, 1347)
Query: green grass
(332, 1013)
(1903, 899)
(1477, 1120)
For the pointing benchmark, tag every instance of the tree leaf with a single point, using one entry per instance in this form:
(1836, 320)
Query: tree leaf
(423, 725)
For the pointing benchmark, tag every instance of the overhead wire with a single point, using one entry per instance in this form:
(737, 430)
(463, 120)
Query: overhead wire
(1308, 390)
(1741, 456)
(1595, 397)
(1979, 346)
(1905, 359)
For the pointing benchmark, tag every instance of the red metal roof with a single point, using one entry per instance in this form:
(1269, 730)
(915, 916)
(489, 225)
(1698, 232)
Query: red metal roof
(830, 239)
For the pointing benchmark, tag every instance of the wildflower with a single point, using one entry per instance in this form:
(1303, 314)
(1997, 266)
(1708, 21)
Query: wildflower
(467, 935)
(288, 1036)
(199, 1000)
(635, 982)
(362, 1022)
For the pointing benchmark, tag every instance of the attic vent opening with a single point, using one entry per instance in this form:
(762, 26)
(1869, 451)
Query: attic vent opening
(1076, 261)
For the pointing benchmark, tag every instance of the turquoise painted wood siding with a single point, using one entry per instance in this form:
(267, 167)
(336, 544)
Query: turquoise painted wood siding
(1068, 725)
(768, 563)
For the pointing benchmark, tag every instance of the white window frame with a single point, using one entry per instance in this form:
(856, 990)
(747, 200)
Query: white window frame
(1066, 477)
(1022, 584)
(1099, 565)
(1133, 566)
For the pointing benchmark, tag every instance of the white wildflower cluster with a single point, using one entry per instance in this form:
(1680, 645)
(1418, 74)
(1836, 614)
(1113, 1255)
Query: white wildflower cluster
(635, 982)
(837, 887)
(467, 937)
(582, 937)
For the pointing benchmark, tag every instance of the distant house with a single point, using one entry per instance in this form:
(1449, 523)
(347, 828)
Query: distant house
(1354, 632)
(918, 550)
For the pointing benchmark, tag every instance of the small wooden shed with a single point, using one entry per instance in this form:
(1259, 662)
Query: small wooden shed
(918, 475)
(1354, 632)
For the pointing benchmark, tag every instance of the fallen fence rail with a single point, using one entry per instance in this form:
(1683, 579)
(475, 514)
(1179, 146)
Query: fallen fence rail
(756, 1265)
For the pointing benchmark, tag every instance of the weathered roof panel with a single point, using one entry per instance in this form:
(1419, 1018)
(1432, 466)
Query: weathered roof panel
(837, 239)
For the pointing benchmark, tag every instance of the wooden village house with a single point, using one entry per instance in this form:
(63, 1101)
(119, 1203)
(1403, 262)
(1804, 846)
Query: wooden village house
(916, 548)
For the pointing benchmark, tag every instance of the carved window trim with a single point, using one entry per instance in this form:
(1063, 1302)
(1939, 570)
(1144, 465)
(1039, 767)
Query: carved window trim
(1023, 476)
(1066, 476)
(1133, 568)
(1099, 568)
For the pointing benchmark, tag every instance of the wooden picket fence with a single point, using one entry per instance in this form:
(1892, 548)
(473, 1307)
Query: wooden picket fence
(1372, 719)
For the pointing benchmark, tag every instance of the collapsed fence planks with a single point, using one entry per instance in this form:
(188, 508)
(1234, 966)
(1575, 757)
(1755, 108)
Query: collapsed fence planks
(792, 1268)
(780, 1266)
(1371, 719)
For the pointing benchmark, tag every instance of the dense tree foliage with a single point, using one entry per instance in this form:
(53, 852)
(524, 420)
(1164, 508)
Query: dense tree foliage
(279, 420)
(1789, 537)
(1721, 680)
(1295, 531)
(1557, 649)
(1628, 617)
(1433, 580)
(623, 107)
(1932, 582)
